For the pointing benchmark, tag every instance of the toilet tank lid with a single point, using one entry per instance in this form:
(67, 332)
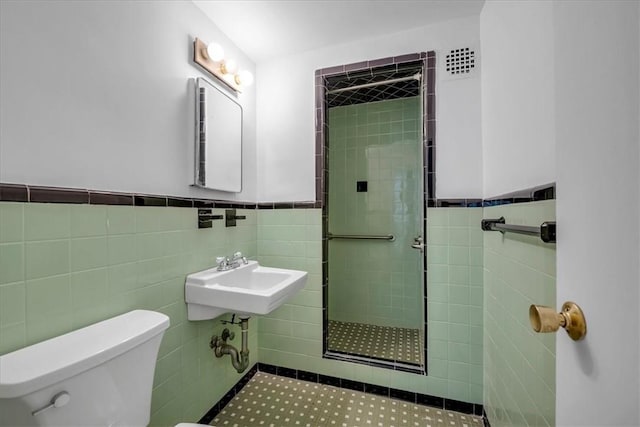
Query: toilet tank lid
(40, 365)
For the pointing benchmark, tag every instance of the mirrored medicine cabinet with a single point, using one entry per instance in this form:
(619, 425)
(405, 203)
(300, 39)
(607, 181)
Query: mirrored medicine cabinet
(218, 150)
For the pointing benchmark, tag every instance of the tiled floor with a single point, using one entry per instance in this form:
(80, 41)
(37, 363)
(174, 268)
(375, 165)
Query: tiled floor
(271, 400)
(379, 342)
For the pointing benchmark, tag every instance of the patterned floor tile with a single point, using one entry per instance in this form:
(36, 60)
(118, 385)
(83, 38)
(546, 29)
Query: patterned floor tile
(379, 342)
(273, 401)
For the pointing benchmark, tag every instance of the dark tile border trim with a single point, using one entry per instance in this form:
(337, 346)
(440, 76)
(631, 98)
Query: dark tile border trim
(289, 205)
(407, 396)
(37, 194)
(58, 195)
(375, 362)
(217, 407)
(427, 60)
(456, 203)
(14, 193)
(485, 419)
(533, 194)
(429, 115)
(120, 199)
(150, 201)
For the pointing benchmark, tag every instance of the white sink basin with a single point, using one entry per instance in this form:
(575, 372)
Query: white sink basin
(246, 290)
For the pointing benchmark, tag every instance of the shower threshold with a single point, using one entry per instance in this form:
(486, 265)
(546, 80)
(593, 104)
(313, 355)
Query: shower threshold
(383, 346)
(378, 363)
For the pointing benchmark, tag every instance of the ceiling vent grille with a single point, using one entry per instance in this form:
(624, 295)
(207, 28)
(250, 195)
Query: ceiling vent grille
(460, 62)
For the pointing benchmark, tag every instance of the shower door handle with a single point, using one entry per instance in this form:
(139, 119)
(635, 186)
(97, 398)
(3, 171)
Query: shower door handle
(418, 243)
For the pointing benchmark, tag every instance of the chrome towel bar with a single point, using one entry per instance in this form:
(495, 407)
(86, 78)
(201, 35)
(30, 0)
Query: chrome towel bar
(389, 237)
(546, 231)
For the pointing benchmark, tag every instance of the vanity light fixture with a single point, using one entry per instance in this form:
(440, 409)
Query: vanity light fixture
(211, 57)
(244, 77)
(215, 52)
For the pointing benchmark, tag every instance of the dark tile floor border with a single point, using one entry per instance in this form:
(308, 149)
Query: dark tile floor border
(407, 396)
(217, 407)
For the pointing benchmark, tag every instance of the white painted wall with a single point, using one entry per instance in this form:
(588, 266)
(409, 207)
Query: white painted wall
(95, 95)
(458, 137)
(596, 75)
(517, 96)
(285, 105)
(587, 78)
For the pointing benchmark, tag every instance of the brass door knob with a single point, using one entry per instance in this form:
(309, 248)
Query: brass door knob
(545, 319)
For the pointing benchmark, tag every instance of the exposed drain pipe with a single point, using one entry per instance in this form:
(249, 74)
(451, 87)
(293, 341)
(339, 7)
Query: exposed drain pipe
(239, 360)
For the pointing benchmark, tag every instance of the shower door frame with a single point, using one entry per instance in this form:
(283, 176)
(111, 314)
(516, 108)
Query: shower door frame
(428, 60)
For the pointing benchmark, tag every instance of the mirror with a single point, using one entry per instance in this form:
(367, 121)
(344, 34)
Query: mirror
(218, 139)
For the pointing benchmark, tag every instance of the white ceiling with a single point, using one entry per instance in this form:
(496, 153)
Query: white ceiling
(265, 29)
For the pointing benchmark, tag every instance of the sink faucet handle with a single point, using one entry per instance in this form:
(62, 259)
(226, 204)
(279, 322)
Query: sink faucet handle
(239, 257)
(221, 261)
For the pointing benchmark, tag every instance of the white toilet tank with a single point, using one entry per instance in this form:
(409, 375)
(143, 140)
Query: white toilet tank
(101, 375)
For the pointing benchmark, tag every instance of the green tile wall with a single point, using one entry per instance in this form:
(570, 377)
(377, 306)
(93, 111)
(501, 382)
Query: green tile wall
(111, 259)
(519, 365)
(455, 299)
(292, 335)
(63, 267)
(376, 282)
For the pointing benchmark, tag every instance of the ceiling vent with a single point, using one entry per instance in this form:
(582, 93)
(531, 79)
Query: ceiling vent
(459, 63)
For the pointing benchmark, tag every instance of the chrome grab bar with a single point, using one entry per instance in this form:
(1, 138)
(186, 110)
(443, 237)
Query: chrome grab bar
(389, 237)
(546, 231)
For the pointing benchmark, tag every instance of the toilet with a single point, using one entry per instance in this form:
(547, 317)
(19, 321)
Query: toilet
(100, 375)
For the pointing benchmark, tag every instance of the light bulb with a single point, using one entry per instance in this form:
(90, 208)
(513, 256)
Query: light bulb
(215, 52)
(229, 66)
(244, 78)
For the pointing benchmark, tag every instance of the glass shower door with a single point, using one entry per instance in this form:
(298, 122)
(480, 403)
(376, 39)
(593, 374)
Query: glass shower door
(375, 281)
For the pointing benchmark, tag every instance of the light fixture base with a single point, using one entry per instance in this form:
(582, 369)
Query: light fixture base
(201, 58)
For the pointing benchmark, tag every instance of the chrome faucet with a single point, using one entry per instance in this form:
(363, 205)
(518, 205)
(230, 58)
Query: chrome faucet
(237, 258)
(225, 263)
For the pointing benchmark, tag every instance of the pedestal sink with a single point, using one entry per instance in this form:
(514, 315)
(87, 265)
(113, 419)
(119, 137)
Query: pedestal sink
(246, 290)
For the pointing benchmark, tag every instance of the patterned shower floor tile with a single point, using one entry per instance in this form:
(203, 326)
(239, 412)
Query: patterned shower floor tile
(379, 342)
(274, 401)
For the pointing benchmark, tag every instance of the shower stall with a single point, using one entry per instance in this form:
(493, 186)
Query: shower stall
(375, 206)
